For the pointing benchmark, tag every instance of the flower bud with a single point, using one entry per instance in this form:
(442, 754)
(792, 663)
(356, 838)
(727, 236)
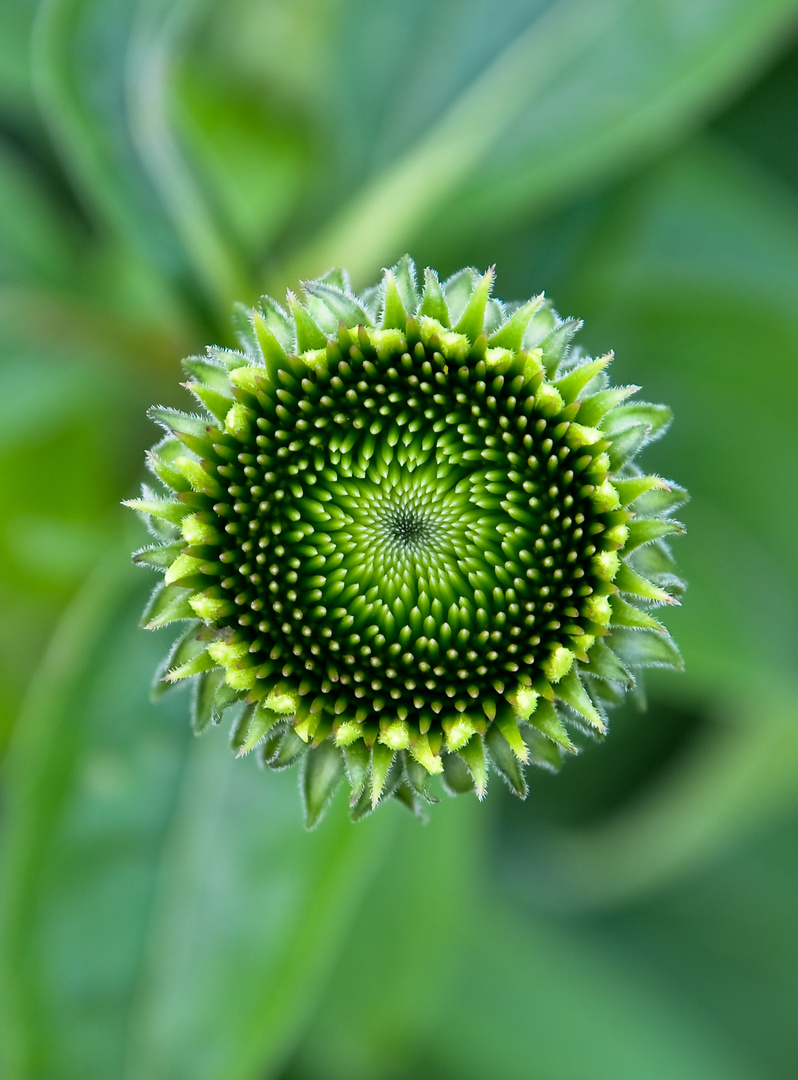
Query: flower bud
(410, 545)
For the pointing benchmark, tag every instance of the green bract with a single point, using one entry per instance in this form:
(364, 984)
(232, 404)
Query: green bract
(407, 534)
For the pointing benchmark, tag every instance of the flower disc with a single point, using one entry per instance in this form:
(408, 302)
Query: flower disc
(406, 524)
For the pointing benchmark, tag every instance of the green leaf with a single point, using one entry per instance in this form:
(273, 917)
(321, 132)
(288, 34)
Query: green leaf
(556, 344)
(528, 125)
(571, 385)
(511, 334)
(405, 277)
(190, 646)
(381, 761)
(308, 334)
(656, 562)
(542, 751)
(217, 404)
(629, 581)
(181, 424)
(250, 154)
(472, 321)
(394, 313)
(203, 370)
(433, 302)
(592, 409)
(16, 29)
(114, 132)
(254, 723)
(165, 509)
(573, 693)
(37, 239)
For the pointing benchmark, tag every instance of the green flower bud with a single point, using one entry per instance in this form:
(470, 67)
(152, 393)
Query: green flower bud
(411, 536)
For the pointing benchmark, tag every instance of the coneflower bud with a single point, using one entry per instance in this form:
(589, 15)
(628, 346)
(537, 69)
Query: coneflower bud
(407, 534)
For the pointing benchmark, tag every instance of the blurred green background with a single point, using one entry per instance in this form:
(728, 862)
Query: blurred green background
(164, 916)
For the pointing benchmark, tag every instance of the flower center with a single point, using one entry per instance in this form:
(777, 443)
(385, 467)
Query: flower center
(403, 535)
(406, 528)
(418, 556)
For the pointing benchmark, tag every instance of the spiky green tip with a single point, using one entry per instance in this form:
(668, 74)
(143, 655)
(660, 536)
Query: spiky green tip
(407, 534)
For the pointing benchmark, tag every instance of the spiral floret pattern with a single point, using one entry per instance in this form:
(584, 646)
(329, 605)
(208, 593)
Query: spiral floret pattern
(408, 535)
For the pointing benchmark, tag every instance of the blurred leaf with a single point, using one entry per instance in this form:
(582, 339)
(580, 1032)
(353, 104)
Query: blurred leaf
(164, 913)
(760, 122)
(284, 52)
(255, 161)
(62, 434)
(706, 217)
(659, 68)
(726, 943)
(86, 110)
(468, 986)
(558, 1002)
(159, 31)
(579, 92)
(16, 23)
(36, 241)
(40, 395)
(728, 784)
(106, 116)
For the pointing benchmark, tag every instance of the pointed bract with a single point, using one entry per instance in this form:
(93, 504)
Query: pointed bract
(571, 385)
(573, 693)
(433, 302)
(308, 334)
(473, 754)
(271, 348)
(357, 761)
(394, 314)
(341, 306)
(472, 321)
(458, 289)
(381, 760)
(322, 775)
(511, 334)
(506, 763)
(508, 726)
(404, 274)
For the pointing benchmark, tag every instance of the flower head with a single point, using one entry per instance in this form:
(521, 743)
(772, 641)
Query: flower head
(407, 533)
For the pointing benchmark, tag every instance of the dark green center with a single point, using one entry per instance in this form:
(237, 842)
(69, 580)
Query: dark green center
(407, 528)
(414, 534)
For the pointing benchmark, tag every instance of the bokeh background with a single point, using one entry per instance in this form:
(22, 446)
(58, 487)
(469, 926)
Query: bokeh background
(164, 915)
